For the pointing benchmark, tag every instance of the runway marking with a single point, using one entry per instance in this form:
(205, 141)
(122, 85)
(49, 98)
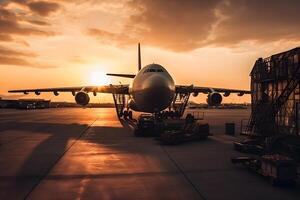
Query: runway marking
(60, 157)
(183, 173)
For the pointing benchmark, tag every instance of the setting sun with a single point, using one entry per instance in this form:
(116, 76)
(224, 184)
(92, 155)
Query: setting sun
(98, 78)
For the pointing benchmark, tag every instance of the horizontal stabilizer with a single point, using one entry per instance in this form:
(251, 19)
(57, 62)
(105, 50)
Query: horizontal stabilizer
(122, 75)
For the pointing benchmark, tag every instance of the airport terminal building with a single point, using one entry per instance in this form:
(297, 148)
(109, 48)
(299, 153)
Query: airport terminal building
(275, 86)
(24, 103)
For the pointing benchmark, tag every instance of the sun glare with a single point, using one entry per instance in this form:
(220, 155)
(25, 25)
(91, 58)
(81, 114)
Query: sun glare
(98, 78)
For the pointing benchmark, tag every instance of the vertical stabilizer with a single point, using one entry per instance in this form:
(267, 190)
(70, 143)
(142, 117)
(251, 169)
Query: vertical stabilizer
(139, 57)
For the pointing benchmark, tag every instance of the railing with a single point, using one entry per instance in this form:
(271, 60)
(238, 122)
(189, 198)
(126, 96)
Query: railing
(198, 115)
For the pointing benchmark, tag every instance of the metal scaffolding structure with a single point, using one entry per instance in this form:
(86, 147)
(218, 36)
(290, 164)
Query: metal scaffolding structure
(275, 95)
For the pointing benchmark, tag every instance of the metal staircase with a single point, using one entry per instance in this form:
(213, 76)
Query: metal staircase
(120, 103)
(264, 114)
(180, 102)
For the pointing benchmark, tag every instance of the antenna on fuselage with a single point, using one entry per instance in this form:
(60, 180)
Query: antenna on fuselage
(139, 57)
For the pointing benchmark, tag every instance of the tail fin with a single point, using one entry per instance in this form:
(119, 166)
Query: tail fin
(139, 57)
(139, 66)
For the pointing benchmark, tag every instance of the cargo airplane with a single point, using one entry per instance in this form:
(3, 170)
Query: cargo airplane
(152, 91)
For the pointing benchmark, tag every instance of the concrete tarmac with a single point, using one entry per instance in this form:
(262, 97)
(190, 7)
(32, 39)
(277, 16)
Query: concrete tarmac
(88, 154)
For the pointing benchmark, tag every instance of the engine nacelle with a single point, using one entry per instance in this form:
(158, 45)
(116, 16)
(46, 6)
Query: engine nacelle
(226, 94)
(82, 98)
(214, 99)
(132, 105)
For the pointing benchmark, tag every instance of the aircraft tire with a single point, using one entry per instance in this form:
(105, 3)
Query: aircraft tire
(171, 114)
(121, 114)
(177, 114)
(167, 114)
(125, 114)
(130, 114)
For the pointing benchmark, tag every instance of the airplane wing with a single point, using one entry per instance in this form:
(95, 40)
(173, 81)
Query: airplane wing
(115, 89)
(195, 89)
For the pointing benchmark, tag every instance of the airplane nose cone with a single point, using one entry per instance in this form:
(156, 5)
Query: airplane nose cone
(158, 83)
(159, 92)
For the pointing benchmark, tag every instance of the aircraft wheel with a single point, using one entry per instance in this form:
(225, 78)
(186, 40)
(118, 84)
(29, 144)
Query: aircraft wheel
(176, 114)
(125, 114)
(171, 114)
(167, 114)
(130, 114)
(121, 114)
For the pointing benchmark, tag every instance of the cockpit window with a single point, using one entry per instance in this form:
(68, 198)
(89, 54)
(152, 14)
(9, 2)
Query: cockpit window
(153, 70)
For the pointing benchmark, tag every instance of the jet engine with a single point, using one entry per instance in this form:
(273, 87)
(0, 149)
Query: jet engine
(214, 99)
(82, 98)
(132, 105)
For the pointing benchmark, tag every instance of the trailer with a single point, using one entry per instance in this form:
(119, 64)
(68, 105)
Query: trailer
(252, 146)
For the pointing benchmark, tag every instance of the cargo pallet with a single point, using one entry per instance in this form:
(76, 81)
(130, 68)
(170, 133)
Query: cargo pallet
(280, 170)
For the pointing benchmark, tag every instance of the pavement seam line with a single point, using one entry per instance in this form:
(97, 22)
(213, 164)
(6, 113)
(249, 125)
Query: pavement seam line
(58, 159)
(183, 173)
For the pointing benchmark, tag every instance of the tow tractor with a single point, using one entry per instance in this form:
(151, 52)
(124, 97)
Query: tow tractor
(148, 125)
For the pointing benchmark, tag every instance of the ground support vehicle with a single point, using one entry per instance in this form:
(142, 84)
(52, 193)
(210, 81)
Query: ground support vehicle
(148, 125)
(186, 130)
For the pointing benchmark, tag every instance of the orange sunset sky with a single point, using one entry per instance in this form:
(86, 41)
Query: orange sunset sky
(214, 43)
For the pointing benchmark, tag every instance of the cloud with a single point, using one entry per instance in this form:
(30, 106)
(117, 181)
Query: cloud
(6, 38)
(77, 60)
(10, 24)
(8, 60)
(186, 25)
(20, 58)
(110, 37)
(22, 62)
(175, 25)
(13, 29)
(43, 8)
(10, 52)
(252, 21)
(38, 22)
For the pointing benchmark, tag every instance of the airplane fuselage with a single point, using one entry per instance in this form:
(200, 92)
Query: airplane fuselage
(152, 90)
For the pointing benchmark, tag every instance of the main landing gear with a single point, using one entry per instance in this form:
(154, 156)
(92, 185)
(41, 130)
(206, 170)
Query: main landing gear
(121, 107)
(126, 114)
